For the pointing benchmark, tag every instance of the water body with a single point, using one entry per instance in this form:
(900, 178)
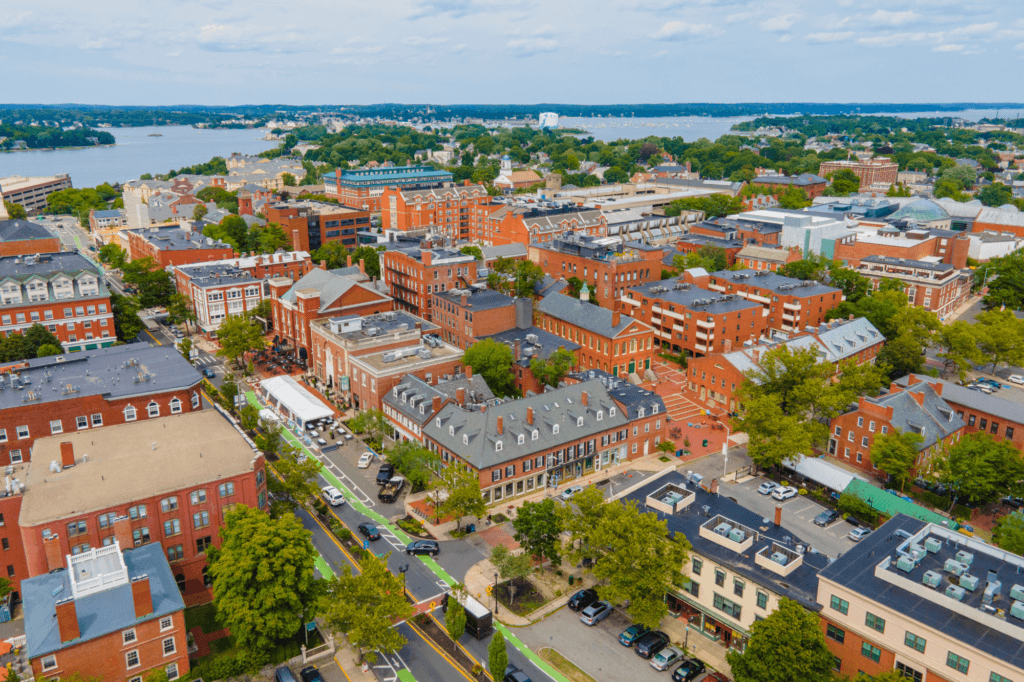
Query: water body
(135, 153)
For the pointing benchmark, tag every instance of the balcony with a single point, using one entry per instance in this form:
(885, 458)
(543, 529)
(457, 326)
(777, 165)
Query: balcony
(707, 324)
(793, 318)
(705, 336)
(701, 348)
(791, 306)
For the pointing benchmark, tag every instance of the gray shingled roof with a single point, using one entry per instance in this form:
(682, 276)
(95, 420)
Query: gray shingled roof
(18, 230)
(478, 299)
(330, 285)
(983, 402)
(933, 421)
(585, 315)
(632, 398)
(774, 282)
(546, 344)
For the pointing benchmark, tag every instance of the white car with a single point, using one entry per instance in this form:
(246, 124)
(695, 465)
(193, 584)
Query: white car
(1016, 379)
(664, 659)
(332, 496)
(767, 487)
(784, 493)
(365, 460)
(568, 493)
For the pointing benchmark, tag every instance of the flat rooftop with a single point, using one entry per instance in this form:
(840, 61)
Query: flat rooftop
(355, 328)
(765, 279)
(410, 360)
(132, 461)
(907, 263)
(693, 297)
(313, 207)
(177, 239)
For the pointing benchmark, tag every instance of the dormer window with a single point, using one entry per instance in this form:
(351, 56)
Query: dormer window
(421, 409)
(497, 446)
(465, 439)
(579, 422)
(611, 411)
(438, 422)
(554, 429)
(640, 412)
(600, 415)
(654, 408)
(521, 439)
(451, 430)
(535, 435)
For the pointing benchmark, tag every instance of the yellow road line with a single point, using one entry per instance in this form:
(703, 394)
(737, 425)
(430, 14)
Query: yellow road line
(158, 342)
(465, 673)
(331, 535)
(341, 668)
(443, 627)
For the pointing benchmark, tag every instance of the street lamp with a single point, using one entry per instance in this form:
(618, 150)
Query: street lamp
(495, 594)
(402, 570)
(725, 453)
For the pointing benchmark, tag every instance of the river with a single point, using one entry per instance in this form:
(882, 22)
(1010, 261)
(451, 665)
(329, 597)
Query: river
(135, 153)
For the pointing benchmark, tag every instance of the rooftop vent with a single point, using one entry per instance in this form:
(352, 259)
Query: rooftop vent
(932, 579)
(955, 567)
(969, 582)
(955, 592)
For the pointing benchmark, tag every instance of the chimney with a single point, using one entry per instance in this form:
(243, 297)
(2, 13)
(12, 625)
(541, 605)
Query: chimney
(583, 398)
(460, 397)
(778, 515)
(362, 266)
(436, 404)
(713, 488)
(67, 455)
(529, 416)
(67, 620)
(426, 257)
(501, 425)
(469, 372)
(515, 352)
(142, 598)
(54, 557)
(919, 397)
(464, 301)
(727, 346)
(616, 317)
(756, 355)
(851, 316)
(323, 265)
(123, 533)
(348, 260)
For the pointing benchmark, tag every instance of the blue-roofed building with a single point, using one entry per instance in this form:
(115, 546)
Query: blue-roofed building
(113, 615)
(362, 189)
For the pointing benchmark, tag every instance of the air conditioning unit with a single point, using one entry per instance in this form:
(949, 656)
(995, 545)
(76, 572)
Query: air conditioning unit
(953, 566)
(932, 579)
(737, 535)
(906, 564)
(723, 529)
(933, 545)
(969, 582)
(1017, 610)
(1017, 593)
(955, 592)
(966, 558)
(780, 558)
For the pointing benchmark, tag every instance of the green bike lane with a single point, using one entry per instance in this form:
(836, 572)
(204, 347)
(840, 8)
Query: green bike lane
(434, 567)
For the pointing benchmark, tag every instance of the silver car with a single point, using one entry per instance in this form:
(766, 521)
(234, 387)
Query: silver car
(596, 612)
(767, 487)
(664, 659)
(858, 534)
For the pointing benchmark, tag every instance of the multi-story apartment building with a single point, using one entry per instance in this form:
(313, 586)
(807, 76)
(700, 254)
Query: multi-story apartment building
(320, 293)
(452, 211)
(527, 225)
(745, 230)
(917, 408)
(63, 292)
(813, 184)
(311, 224)
(221, 291)
(107, 614)
(608, 340)
(291, 264)
(791, 304)
(766, 258)
(687, 317)
(363, 189)
(31, 192)
(608, 267)
(882, 239)
(524, 445)
(24, 238)
(107, 220)
(174, 246)
(466, 315)
(413, 402)
(926, 601)
(414, 275)
(938, 287)
(375, 374)
(879, 169)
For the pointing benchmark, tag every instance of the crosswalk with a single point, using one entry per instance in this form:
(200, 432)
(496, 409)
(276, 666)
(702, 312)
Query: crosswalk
(206, 360)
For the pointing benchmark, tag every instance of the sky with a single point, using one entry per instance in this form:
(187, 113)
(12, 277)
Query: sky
(225, 52)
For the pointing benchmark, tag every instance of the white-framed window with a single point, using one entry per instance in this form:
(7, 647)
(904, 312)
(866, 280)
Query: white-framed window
(128, 636)
(22, 432)
(226, 489)
(172, 671)
(497, 446)
(129, 414)
(535, 435)
(131, 659)
(195, 401)
(600, 415)
(611, 411)
(579, 422)
(153, 410)
(81, 423)
(175, 406)
(56, 426)
(166, 623)
(3, 435)
(49, 662)
(640, 412)
(15, 456)
(169, 647)
(521, 439)
(97, 419)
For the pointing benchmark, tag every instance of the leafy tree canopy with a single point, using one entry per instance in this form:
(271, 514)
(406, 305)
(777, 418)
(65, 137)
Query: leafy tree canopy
(492, 361)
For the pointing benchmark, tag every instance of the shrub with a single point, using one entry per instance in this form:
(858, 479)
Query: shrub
(854, 506)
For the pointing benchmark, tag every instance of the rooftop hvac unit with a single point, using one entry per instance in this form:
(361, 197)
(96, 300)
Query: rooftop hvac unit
(969, 582)
(737, 535)
(966, 558)
(992, 591)
(390, 315)
(932, 545)
(918, 552)
(424, 353)
(955, 592)
(723, 529)
(1017, 592)
(955, 567)
(389, 357)
(906, 564)
(531, 338)
(931, 579)
(1017, 610)
(780, 558)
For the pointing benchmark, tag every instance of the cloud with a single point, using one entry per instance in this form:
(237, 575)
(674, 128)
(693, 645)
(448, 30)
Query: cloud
(681, 30)
(974, 29)
(778, 24)
(456, 49)
(416, 41)
(369, 49)
(742, 16)
(662, 53)
(1019, 46)
(12, 20)
(99, 44)
(176, 53)
(948, 48)
(829, 37)
(894, 18)
(527, 47)
(897, 39)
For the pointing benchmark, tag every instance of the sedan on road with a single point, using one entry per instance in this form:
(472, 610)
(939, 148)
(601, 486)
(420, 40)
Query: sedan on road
(332, 496)
(784, 493)
(514, 674)
(310, 674)
(429, 547)
(651, 643)
(369, 531)
(595, 613)
(631, 634)
(569, 492)
(209, 373)
(1016, 379)
(858, 534)
(767, 487)
(688, 671)
(582, 599)
(826, 517)
(365, 460)
(665, 658)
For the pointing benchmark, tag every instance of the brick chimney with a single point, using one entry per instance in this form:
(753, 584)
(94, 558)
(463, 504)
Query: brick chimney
(713, 488)
(142, 598)
(501, 425)
(54, 556)
(469, 372)
(362, 266)
(778, 515)
(123, 533)
(515, 352)
(529, 416)
(67, 455)
(426, 256)
(616, 316)
(756, 355)
(323, 265)
(851, 316)
(460, 397)
(436, 403)
(918, 397)
(727, 346)
(583, 398)
(464, 301)
(295, 239)
(67, 620)
(348, 260)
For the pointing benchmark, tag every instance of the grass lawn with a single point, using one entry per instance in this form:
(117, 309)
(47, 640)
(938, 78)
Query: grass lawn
(564, 666)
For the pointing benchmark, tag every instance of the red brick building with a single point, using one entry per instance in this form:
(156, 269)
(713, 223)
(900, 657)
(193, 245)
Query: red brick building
(22, 237)
(466, 315)
(174, 246)
(375, 374)
(520, 225)
(746, 231)
(311, 224)
(528, 343)
(791, 304)
(879, 169)
(695, 242)
(938, 287)
(362, 189)
(765, 258)
(414, 275)
(453, 211)
(912, 245)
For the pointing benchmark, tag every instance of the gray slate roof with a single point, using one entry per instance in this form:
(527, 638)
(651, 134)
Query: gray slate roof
(479, 299)
(177, 239)
(585, 315)
(49, 267)
(933, 421)
(692, 297)
(631, 397)
(549, 285)
(983, 402)
(331, 286)
(18, 230)
(547, 343)
(503, 251)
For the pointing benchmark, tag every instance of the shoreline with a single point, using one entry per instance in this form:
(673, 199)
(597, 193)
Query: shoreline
(58, 149)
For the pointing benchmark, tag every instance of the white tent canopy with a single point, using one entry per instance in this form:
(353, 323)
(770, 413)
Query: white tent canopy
(293, 401)
(822, 472)
(269, 416)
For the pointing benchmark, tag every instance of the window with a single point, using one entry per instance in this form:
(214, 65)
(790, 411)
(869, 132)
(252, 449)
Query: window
(697, 566)
(56, 426)
(175, 406)
(837, 663)
(870, 651)
(201, 519)
(137, 512)
(128, 636)
(1009, 432)
(762, 600)
(832, 632)
(693, 587)
(175, 552)
(874, 622)
(720, 577)
(172, 671)
(107, 520)
(3, 435)
(15, 456)
(996, 677)
(49, 662)
(909, 673)
(227, 509)
(140, 536)
(957, 662)
(132, 659)
(166, 623)
(97, 419)
(727, 607)
(202, 543)
(198, 496)
(172, 527)
(22, 432)
(169, 647)
(914, 642)
(5, 544)
(738, 586)
(510, 471)
(496, 475)
(840, 605)
(168, 504)
(82, 423)
(153, 410)
(129, 414)
(226, 489)
(76, 528)
(195, 401)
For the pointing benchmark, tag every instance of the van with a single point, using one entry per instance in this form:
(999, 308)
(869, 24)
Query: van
(479, 621)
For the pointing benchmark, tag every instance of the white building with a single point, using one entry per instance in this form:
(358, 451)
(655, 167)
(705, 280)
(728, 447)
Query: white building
(811, 233)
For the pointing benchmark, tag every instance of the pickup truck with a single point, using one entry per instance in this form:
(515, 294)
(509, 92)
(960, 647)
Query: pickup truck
(389, 491)
(385, 474)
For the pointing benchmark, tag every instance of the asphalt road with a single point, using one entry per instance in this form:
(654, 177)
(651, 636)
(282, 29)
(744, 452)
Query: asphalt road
(478, 649)
(418, 657)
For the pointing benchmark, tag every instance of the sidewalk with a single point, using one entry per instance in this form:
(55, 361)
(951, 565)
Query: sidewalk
(347, 660)
(955, 315)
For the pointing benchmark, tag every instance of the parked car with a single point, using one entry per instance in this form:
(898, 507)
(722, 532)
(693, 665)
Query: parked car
(209, 373)
(631, 634)
(582, 599)
(596, 612)
(332, 496)
(858, 534)
(767, 487)
(423, 547)
(784, 493)
(514, 674)
(651, 643)
(310, 674)
(984, 388)
(1014, 502)
(569, 492)
(385, 473)
(390, 491)
(991, 382)
(664, 659)
(826, 517)
(365, 459)
(689, 670)
(1016, 379)
(284, 674)
(369, 531)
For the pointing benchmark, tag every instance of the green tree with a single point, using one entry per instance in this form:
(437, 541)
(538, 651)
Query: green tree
(493, 361)
(1007, 285)
(152, 283)
(844, 182)
(36, 337)
(272, 238)
(895, 453)
(794, 198)
(157, 675)
(199, 212)
(269, 440)
(979, 469)
(518, 277)
(962, 176)
(365, 607)
(185, 348)
(455, 620)
(127, 324)
(249, 417)
(810, 267)
(637, 560)
(179, 310)
(113, 255)
(854, 286)
(288, 180)
(537, 528)
(711, 258)
(497, 655)
(774, 435)
(1009, 533)
(1000, 337)
(371, 259)
(473, 251)
(464, 497)
(15, 211)
(511, 567)
(713, 205)
(48, 349)
(413, 461)
(786, 645)
(580, 521)
(238, 335)
(898, 190)
(331, 253)
(551, 371)
(958, 347)
(373, 422)
(263, 584)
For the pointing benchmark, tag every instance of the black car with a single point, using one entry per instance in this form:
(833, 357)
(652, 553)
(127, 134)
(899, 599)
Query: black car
(423, 547)
(688, 670)
(385, 473)
(651, 643)
(631, 634)
(582, 599)
(310, 674)
(514, 674)
(369, 531)
(826, 517)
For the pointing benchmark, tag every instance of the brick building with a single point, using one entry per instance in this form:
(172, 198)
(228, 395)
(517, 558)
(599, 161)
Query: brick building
(527, 225)
(695, 242)
(24, 238)
(31, 192)
(453, 211)
(413, 402)
(84, 391)
(938, 287)
(747, 231)
(608, 340)
(881, 239)
(414, 275)
(466, 315)
(879, 169)
(320, 293)
(918, 408)
(107, 614)
(765, 258)
(363, 189)
(688, 317)
(311, 224)
(375, 374)
(527, 343)
(999, 220)
(791, 304)
(174, 246)
(62, 291)
(607, 267)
